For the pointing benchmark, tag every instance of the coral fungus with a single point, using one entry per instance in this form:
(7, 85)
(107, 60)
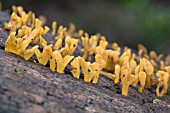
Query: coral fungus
(27, 37)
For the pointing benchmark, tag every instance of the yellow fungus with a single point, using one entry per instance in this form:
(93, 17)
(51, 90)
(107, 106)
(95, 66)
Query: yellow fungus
(52, 62)
(164, 79)
(92, 44)
(142, 79)
(33, 20)
(160, 57)
(80, 33)
(29, 20)
(125, 82)
(11, 44)
(153, 55)
(167, 68)
(14, 17)
(10, 26)
(28, 53)
(115, 46)
(162, 65)
(74, 43)
(117, 74)
(43, 42)
(71, 29)
(68, 40)
(24, 17)
(19, 10)
(167, 61)
(94, 72)
(42, 19)
(84, 67)
(75, 65)
(103, 44)
(42, 58)
(142, 48)
(57, 44)
(109, 75)
(133, 64)
(85, 42)
(14, 8)
(46, 29)
(121, 66)
(54, 26)
(61, 62)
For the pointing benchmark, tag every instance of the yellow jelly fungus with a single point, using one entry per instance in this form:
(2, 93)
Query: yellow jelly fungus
(20, 10)
(68, 40)
(14, 8)
(43, 42)
(29, 18)
(148, 67)
(100, 61)
(142, 48)
(42, 19)
(71, 29)
(14, 17)
(10, 26)
(163, 81)
(153, 55)
(103, 44)
(167, 68)
(46, 29)
(94, 72)
(30, 52)
(133, 64)
(167, 61)
(142, 79)
(42, 58)
(33, 20)
(121, 59)
(80, 33)
(74, 43)
(125, 82)
(24, 44)
(92, 44)
(61, 62)
(115, 46)
(85, 42)
(121, 66)
(84, 67)
(37, 23)
(57, 44)
(52, 62)
(54, 27)
(19, 22)
(109, 62)
(50, 55)
(109, 75)
(162, 65)
(117, 74)
(124, 61)
(11, 44)
(100, 50)
(160, 57)
(75, 65)
(24, 17)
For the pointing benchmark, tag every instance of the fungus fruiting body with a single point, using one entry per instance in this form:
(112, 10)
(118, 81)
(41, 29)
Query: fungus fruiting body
(121, 65)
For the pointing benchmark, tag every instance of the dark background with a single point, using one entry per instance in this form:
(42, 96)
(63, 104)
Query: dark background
(127, 22)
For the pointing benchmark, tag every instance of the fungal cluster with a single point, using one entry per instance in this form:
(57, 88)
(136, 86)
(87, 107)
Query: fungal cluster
(27, 38)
